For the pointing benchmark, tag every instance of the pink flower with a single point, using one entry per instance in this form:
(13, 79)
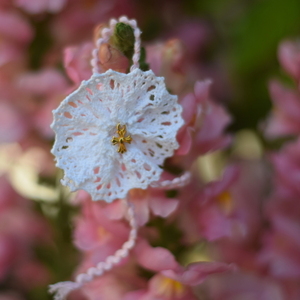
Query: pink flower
(242, 285)
(31, 274)
(211, 137)
(40, 6)
(195, 35)
(281, 245)
(47, 82)
(20, 230)
(169, 60)
(230, 207)
(77, 62)
(289, 57)
(10, 295)
(204, 123)
(113, 285)
(76, 23)
(12, 125)
(171, 281)
(194, 106)
(8, 254)
(99, 232)
(14, 28)
(48, 85)
(286, 164)
(151, 201)
(284, 119)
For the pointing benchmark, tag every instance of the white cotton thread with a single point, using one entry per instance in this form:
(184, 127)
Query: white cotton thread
(106, 33)
(174, 183)
(62, 289)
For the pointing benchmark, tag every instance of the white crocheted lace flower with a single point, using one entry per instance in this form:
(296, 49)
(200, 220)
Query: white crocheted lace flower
(114, 132)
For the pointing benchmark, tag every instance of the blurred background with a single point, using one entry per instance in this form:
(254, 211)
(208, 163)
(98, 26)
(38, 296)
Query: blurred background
(45, 50)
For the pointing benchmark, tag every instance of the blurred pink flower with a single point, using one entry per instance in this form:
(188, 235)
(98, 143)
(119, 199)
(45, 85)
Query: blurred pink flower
(211, 137)
(46, 82)
(284, 119)
(31, 274)
(76, 22)
(195, 35)
(171, 281)
(44, 90)
(204, 126)
(10, 295)
(9, 53)
(77, 62)
(12, 124)
(194, 106)
(21, 228)
(40, 6)
(289, 57)
(241, 285)
(286, 164)
(152, 201)
(14, 27)
(229, 207)
(8, 254)
(113, 285)
(97, 231)
(169, 60)
(281, 245)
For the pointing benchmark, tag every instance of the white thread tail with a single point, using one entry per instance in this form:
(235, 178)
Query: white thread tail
(174, 183)
(108, 32)
(62, 289)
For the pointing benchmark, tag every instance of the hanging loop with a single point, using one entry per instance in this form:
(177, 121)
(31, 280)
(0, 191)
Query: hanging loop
(106, 33)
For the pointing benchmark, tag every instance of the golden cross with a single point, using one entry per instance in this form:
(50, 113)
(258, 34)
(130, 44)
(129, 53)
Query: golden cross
(122, 139)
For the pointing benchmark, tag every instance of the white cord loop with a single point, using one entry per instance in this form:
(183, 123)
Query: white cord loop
(174, 183)
(106, 33)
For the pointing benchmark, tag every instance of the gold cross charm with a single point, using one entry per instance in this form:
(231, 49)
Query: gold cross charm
(122, 139)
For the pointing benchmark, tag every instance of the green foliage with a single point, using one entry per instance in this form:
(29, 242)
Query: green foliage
(123, 39)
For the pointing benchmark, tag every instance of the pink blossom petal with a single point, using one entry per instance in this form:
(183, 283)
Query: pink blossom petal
(162, 206)
(211, 136)
(39, 6)
(77, 62)
(289, 57)
(155, 259)
(44, 82)
(244, 286)
(115, 210)
(9, 53)
(141, 209)
(12, 125)
(286, 99)
(196, 273)
(279, 124)
(15, 27)
(135, 295)
(188, 104)
(184, 139)
(214, 224)
(86, 236)
(202, 90)
(230, 175)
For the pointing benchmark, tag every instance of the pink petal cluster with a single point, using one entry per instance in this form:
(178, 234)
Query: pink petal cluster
(20, 230)
(284, 118)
